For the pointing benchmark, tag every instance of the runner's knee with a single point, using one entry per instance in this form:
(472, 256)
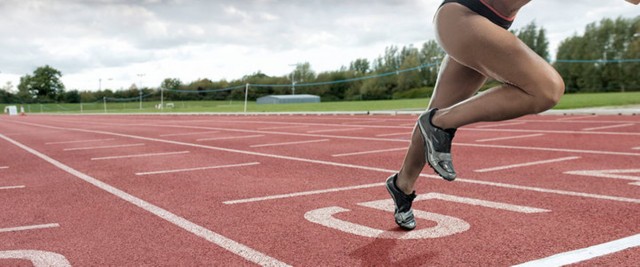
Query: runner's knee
(551, 88)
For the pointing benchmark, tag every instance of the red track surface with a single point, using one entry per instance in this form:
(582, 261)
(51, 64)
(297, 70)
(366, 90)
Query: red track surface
(578, 176)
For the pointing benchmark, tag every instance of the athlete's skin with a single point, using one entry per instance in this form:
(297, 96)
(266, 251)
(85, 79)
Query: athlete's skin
(477, 49)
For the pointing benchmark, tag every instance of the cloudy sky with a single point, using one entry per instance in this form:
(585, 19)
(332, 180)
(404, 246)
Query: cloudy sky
(117, 43)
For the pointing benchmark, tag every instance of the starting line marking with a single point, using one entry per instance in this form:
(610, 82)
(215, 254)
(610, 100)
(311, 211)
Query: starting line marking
(608, 127)
(509, 137)
(141, 155)
(500, 124)
(4, 167)
(335, 130)
(198, 169)
(306, 193)
(101, 147)
(213, 237)
(614, 174)
(291, 143)
(29, 227)
(12, 187)
(282, 127)
(584, 254)
(393, 134)
(182, 134)
(526, 164)
(369, 152)
(78, 141)
(230, 137)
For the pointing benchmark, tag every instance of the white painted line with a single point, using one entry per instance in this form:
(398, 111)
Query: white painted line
(142, 155)
(613, 174)
(608, 127)
(509, 137)
(198, 169)
(38, 258)
(361, 122)
(407, 125)
(4, 167)
(291, 143)
(183, 134)
(636, 148)
(387, 171)
(12, 187)
(305, 193)
(29, 227)
(370, 152)
(597, 152)
(335, 130)
(393, 134)
(480, 202)
(576, 117)
(283, 127)
(79, 141)
(101, 147)
(231, 137)
(584, 254)
(499, 125)
(213, 237)
(526, 164)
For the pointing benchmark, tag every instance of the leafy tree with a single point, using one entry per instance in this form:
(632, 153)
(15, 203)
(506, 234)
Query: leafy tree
(44, 85)
(535, 38)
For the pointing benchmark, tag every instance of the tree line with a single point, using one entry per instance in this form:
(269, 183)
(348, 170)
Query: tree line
(603, 59)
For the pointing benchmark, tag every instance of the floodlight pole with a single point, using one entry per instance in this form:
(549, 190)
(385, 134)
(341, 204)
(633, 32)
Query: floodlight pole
(246, 96)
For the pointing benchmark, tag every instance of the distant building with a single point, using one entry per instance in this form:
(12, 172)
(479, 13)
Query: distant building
(287, 99)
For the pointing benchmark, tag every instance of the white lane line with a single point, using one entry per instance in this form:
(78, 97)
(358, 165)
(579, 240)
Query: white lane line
(613, 174)
(291, 143)
(584, 254)
(509, 137)
(38, 258)
(526, 164)
(101, 147)
(283, 127)
(78, 141)
(12, 187)
(4, 167)
(393, 134)
(360, 167)
(499, 125)
(608, 127)
(552, 149)
(29, 227)
(361, 122)
(142, 155)
(213, 237)
(183, 134)
(335, 130)
(198, 168)
(230, 137)
(305, 193)
(636, 148)
(369, 152)
(576, 118)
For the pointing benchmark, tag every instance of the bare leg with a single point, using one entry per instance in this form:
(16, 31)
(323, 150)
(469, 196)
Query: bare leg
(480, 49)
(530, 84)
(456, 83)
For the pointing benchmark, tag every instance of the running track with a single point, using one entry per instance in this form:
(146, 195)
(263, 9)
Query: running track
(308, 191)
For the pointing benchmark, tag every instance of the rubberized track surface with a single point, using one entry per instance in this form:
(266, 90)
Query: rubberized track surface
(308, 191)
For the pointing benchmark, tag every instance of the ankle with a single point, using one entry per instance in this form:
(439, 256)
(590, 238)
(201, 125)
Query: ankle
(404, 186)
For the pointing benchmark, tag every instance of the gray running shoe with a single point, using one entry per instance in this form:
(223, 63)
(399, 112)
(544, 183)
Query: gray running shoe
(403, 213)
(437, 145)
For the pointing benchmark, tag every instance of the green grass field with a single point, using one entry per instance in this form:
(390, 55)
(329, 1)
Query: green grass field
(569, 101)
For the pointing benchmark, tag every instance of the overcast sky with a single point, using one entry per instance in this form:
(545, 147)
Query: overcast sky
(144, 41)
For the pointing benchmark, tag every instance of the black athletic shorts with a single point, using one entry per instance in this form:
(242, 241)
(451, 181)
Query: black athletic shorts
(484, 10)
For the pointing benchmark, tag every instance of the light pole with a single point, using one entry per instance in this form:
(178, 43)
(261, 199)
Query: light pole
(140, 75)
(293, 78)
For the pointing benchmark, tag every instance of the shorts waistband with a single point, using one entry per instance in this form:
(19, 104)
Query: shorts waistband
(478, 6)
